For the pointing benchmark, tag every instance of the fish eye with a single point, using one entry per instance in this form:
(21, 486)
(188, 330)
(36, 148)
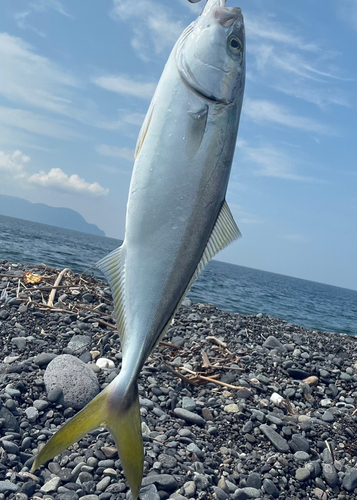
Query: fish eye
(234, 44)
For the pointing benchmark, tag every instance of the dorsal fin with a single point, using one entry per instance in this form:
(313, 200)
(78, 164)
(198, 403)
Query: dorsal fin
(112, 266)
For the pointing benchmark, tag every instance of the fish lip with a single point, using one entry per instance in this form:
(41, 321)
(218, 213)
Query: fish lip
(226, 16)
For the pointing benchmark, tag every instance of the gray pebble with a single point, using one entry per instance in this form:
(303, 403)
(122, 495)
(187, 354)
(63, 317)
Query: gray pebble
(10, 447)
(188, 416)
(302, 474)
(329, 472)
(188, 404)
(51, 485)
(276, 440)
(40, 404)
(149, 492)
(301, 455)
(189, 489)
(103, 483)
(273, 343)
(220, 494)
(270, 488)
(350, 480)
(31, 413)
(44, 358)
(244, 493)
(254, 480)
(193, 448)
(7, 487)
(163, 481)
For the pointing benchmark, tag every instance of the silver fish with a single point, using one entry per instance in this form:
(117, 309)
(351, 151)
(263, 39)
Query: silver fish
(177, 218)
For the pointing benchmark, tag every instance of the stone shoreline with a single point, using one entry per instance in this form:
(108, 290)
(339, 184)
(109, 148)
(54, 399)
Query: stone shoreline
(282, 425)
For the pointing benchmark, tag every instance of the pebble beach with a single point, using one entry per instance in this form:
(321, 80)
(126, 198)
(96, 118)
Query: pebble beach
(232, 406)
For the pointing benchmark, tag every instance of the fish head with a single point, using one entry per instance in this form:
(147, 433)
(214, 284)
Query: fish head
(210, 54)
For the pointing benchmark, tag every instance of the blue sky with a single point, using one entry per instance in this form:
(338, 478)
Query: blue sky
(76, 81)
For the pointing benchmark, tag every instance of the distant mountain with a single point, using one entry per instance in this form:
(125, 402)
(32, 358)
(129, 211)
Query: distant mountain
(39, 212)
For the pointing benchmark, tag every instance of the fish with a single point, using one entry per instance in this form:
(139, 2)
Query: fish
(177, 216)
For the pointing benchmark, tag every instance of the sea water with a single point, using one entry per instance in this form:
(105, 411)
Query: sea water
(229, 287)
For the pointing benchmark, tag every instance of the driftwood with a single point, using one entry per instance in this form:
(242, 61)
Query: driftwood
(57, 282)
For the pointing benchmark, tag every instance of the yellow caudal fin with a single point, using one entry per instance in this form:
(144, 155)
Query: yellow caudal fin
(126, 429)
(121, 416)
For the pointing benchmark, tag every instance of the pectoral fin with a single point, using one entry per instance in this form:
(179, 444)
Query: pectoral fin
(196, 130)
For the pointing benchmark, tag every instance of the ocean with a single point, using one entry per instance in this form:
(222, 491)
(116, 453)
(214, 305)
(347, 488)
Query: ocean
(229, 287)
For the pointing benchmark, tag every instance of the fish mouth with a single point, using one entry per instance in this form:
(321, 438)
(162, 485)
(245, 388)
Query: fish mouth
(226, 16)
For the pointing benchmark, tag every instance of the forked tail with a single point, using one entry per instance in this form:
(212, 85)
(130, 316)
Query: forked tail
(119, 412)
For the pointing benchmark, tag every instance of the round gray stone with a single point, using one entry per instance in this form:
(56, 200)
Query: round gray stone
(302, 474)
(329, 472)
(7, 487)
(78, 382)
(350, 480)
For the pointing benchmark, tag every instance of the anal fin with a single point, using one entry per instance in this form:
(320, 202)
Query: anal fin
(224, 232)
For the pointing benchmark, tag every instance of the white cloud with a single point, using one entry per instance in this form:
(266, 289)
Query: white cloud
(320, 97)
(114, 152)
(44, 5)
(262, 111)
(32, 79)
(347, 11)
(13, 164)
(284, 59)
(268, 29)
(59, 180)
(126, 86)
(38, 6)
(272, 162)
(153, 25)
(36, 123)
(134, 119)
